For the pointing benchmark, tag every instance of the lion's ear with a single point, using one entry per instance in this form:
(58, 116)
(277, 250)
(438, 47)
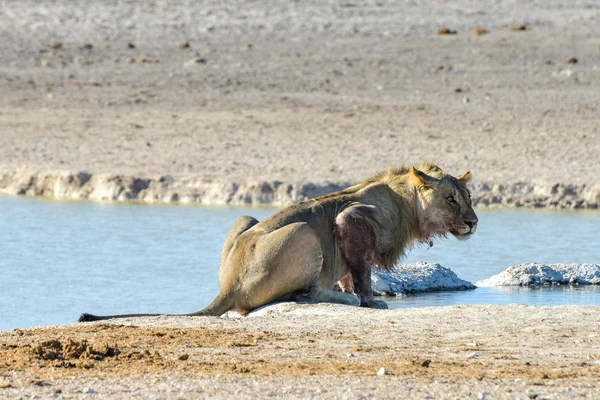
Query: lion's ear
(420, 179)
(466, 177)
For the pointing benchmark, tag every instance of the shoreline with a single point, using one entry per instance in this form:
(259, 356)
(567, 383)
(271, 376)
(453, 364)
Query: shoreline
(305, 350)
(196, 190)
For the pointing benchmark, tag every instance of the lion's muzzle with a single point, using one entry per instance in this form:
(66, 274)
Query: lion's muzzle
(472, 227)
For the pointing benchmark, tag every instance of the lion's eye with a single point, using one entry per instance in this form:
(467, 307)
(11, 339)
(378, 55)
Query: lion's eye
(450, 199)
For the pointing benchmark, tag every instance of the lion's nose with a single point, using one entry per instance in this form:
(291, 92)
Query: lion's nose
(472, 225)
(471, 219)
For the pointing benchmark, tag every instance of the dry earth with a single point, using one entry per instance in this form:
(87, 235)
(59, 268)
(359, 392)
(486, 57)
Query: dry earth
(301, 351)
(231, 102)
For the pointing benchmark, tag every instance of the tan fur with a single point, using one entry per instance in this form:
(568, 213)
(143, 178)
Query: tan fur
(303, 250)
(294, 254)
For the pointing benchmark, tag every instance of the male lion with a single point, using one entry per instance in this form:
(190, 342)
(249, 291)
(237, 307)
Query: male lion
(303, 250)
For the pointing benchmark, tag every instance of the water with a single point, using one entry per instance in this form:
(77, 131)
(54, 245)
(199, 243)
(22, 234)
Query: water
(58, 259)
(510, 237)
(543, 296)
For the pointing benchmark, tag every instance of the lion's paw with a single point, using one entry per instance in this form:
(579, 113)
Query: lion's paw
(380, 304)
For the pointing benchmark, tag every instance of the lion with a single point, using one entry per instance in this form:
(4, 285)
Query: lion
(302, 251)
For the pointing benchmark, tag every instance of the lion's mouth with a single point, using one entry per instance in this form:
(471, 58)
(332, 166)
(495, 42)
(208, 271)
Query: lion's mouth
(464, 232)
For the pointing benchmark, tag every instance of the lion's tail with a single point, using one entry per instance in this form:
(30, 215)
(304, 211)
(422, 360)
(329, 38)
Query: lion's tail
(220, 305)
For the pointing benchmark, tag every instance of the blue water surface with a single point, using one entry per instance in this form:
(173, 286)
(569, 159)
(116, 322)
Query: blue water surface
(58, 259)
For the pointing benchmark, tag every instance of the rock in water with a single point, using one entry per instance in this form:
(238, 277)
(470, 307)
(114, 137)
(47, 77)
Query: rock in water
(418, 277)
(535, 274)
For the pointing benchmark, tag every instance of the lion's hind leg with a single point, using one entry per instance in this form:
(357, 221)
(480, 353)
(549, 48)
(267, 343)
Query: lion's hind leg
(277, 265)
(241, 225)
(319, 294)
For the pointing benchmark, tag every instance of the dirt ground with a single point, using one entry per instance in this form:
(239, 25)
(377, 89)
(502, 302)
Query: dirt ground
(294, 91)
(315, 351)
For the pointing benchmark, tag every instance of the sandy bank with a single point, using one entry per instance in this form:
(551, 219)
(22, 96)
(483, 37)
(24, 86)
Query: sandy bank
(307, 350)
(167, 189)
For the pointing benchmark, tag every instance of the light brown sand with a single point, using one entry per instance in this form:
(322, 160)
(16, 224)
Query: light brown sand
(301, 93)
(316, 350)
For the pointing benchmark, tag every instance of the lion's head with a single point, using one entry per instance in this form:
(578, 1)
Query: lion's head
(445, 203)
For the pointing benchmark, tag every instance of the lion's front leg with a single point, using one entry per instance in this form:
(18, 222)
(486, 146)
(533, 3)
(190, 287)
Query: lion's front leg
(357, 241)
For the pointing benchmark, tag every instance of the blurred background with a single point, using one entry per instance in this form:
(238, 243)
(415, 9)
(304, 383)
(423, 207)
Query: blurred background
(306, 91)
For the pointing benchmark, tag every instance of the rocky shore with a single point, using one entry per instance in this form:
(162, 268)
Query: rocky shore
(189, 190)
(535, 274)
(325, 350)
(416, 278)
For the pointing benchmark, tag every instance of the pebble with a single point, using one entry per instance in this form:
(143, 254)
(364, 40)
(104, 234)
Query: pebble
(89, 390)
(381, 372)
(516, 28)
(193, 61)
(446, 31)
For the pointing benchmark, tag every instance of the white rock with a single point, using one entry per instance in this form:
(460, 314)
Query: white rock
(418, 277)
(482, 395)
(567, 73)
(534, 274)
(381, 372)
